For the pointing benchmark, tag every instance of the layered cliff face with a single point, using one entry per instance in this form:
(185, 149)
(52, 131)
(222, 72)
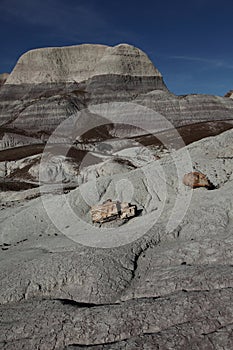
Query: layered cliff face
(49, 85)
(188, 109)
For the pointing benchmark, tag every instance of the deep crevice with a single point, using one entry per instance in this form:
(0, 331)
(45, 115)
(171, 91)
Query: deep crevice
(92, 346)
(80, 305)
(76, 303)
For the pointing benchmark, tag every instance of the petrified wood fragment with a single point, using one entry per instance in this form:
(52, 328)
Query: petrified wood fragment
(111, 210)
(196, 179)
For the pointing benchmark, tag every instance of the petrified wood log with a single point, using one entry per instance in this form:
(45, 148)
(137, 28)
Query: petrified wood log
(111, 210)
(196, 179)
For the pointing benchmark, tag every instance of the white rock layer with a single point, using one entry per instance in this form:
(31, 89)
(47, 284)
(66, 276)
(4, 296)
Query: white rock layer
(79, 63)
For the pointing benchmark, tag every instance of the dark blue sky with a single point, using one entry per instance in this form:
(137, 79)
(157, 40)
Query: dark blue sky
(190, 42)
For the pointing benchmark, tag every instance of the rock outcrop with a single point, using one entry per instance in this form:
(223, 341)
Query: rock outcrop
(49, 85)
(80, 63)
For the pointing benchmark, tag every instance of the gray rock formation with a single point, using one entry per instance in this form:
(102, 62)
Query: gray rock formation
(188, 109)
(49, 85)
(166, 289)
(162, 280)
(80, 63)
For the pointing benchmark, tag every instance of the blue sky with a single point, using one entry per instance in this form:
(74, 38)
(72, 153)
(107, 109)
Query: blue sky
(189, 42)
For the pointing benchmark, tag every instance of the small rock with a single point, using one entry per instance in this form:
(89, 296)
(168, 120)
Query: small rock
(196, 179)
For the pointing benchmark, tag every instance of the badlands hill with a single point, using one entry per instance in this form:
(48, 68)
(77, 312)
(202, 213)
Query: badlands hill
(83, 124)
(49, 85)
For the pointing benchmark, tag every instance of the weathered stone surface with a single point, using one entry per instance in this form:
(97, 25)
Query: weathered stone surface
(36, 110)
(59, 325)
(188, 109)
(170, 290)
(79, 63)
(49, 85)
(64, 285)
(41, 107)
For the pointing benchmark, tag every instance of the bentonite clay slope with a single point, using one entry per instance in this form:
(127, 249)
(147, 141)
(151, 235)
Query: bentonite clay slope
(79, 63)
(188, 109)
(170, 291)
(49, 85)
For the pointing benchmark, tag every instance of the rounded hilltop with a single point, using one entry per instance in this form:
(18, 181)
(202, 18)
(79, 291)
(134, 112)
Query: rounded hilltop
(80, 63)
